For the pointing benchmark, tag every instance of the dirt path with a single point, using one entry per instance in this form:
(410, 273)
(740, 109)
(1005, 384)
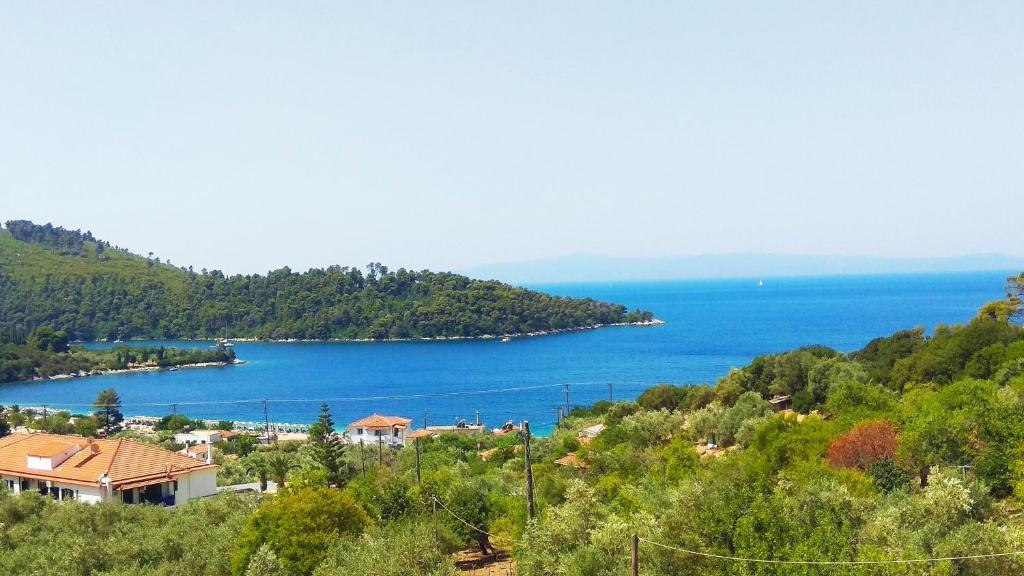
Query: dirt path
(471, 562)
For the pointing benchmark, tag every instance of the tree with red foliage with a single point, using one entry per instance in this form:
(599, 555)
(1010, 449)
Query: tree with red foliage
(864, 445)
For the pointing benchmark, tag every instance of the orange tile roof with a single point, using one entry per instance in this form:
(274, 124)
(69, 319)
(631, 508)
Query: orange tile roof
(52, 449)
(377, 421)
(198, 449)
(421, 433)
(123, 461)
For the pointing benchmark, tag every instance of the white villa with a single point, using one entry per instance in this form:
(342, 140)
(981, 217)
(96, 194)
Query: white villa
(93, 471)
(376, 429)
(198, 437)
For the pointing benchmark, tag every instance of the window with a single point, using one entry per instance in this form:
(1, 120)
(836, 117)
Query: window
(128, 496)
(376, 432)
(359, 431)
(25, 485)
(68, 494)
(10, 485)
(175, 485)
(394, 432)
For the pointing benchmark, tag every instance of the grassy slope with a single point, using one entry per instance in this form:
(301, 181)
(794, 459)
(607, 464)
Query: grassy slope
(24, 260)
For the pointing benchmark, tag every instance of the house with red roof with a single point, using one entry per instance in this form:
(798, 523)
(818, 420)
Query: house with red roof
(94, 471)
(377, 429)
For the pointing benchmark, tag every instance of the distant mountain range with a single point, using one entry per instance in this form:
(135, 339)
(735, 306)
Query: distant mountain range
(597, 268)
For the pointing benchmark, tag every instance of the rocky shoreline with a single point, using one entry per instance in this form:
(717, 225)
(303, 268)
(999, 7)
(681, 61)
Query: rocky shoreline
(135, 369)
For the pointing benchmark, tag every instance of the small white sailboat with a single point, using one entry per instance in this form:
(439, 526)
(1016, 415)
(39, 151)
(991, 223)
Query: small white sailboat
(506, 339)
(760, 283)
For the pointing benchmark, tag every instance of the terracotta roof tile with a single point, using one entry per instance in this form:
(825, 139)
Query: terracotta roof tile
(382, 422)
(122, 460)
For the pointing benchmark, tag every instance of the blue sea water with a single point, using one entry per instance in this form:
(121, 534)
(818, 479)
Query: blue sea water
(711, 326)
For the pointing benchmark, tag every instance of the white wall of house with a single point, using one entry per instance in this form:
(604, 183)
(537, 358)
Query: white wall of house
(197, 437)
(88, 494)
(190, 486)
(196, 485)
(372, 437)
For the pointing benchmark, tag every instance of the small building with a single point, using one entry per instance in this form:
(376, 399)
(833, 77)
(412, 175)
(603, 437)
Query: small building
(417, 434)
(586, 435)
(199, 452)
(509, 427)
(197, 437)
(377, 429)
(780, 403)
(93, 471)
(460, 427)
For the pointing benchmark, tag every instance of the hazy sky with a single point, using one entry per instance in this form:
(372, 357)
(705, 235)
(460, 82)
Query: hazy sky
(428, 134)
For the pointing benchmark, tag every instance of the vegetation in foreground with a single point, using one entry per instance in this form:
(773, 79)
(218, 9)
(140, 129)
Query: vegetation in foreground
(909, 448)
(78, 284)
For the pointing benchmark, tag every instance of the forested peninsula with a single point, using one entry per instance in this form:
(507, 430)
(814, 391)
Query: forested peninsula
(47, 354)
(76, 283)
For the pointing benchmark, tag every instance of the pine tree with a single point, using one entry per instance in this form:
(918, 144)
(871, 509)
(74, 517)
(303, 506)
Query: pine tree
(109, 404)
(328, 448)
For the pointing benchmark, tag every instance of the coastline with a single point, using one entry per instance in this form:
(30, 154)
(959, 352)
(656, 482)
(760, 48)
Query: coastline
(538, 333)
(134, 369)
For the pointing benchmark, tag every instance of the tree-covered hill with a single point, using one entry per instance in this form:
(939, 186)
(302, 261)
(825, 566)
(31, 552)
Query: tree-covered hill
(73, 282)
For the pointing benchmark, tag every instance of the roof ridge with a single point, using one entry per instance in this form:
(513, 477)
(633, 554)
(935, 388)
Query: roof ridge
(113, 457)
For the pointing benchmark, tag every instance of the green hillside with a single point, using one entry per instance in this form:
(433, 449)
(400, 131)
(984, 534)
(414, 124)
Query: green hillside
(83, 286)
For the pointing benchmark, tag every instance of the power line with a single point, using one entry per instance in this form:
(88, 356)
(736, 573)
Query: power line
(831, 562)
(460, 519)
(446, 394)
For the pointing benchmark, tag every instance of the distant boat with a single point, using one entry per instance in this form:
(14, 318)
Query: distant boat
(506, 339)
(760, 283)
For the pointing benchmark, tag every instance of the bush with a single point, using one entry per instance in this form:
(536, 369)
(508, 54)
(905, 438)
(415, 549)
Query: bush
(299, 528)
(889, 476)
(864, 445)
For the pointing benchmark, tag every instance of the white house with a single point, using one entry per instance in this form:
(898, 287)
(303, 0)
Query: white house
(93, 471)
(376, 429)
(197, 437)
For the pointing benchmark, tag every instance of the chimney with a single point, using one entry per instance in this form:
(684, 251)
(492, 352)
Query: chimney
(94, 448)
(209, 453)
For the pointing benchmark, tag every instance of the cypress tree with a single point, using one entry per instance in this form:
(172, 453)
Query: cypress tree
(328, 448)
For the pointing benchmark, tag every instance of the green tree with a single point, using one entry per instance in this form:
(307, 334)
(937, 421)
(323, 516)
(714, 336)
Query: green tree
(327, 447)
(280, 465)
(108, 405)
(265, 563)
(299, 527)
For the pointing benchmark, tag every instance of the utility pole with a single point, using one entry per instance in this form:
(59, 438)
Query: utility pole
(529, 470)
(174, 408)
(46, 419)
(380, 451)
(417, 460)
(636, 555)
(477, 417)
(558, 416)
(266, 421)
(566, 399)
(424, 420)
(433, 502)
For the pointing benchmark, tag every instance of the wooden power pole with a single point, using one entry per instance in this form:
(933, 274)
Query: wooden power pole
(417, 460)
(636, 555)
(529, 471)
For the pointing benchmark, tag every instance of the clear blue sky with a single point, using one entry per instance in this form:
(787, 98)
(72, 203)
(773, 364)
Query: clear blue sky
(253, 135)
